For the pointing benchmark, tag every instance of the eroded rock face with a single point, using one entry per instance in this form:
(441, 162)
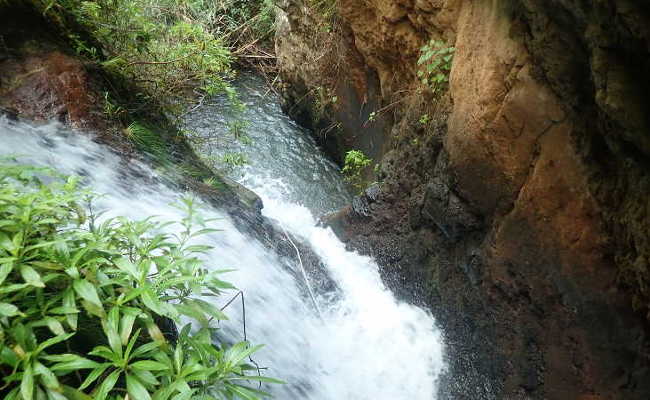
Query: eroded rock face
(41, 79)
(520, 210)
(51, 86)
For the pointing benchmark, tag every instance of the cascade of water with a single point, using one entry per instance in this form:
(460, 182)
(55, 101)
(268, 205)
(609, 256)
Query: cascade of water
(365, 345)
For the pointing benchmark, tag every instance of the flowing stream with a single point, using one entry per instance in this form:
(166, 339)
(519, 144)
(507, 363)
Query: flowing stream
(364, 344)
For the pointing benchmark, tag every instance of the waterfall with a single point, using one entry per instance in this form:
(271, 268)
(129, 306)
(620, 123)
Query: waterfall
(364, 344)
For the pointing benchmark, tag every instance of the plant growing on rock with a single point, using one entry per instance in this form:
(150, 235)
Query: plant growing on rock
(434, 64)
(355, 163)
(233, 160)
(83, 301)
(171, 48)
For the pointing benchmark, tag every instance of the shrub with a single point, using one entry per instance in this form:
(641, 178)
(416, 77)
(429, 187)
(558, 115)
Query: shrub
(355, 163)
(64, 272)
(169, 47)
(434, 64)
(232, 160)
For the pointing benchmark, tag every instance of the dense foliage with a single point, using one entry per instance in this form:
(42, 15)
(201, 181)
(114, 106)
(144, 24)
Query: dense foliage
(434, 64)
(83, 301)
(170, 48)
(355, 164)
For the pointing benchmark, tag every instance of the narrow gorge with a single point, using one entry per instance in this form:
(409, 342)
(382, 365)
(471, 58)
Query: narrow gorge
(408, 199)
(517, 202)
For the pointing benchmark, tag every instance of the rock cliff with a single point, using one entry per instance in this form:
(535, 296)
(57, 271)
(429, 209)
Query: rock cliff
(518, 208)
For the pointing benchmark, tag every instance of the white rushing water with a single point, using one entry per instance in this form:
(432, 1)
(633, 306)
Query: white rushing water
(366, 344)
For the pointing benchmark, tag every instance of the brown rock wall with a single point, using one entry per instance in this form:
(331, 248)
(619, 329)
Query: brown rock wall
(520, 212)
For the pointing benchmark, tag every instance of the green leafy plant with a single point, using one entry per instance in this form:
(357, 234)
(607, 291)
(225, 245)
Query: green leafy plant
(234, 159)
(111, 109)
(434, 64)
(167, 46)
(82, 301)
(355, 163)
(424, 119)
(148, 141)
(238, 129)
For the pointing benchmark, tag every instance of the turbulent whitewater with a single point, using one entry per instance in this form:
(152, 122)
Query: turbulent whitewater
(363, 345)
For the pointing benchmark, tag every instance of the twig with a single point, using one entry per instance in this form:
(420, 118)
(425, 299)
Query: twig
(271, 86)
(257, 56)
(192, 109)
(159, 62)
(304, 273)
(243, 312)
(385, 108)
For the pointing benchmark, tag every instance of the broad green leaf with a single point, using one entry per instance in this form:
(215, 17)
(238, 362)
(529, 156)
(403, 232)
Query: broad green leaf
(178, 357)
(107, 385)
(77, 256)
(8, 310)
(46, 376)
(74, 394)
(145, 349)
(31, 277)
(244, 392)
(66, 357)
(27, 383)
(235, 354)
(146, 377)
(204, 231)
(75, 363)
(69, 302)
(93, 375)
(54, 326)
(64, 310)
(52, 341)
(131, 294)
(105, 352)
(127, 266)
(257, 378)
(193, 311)
(5, 269)
(12, 288)
(136, 389)
(155, 332)
(148, 365)
(73, 272)
(150, 300)
(110, 328)
(126, 326)
(130, 344)
(6, 243)
(198, 248)
(211, 309)
(8, 356)
(61, 247)
(55, 395)
(87, 291)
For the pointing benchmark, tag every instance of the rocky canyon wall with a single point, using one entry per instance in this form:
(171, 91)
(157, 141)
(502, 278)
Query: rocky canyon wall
(518, 208)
